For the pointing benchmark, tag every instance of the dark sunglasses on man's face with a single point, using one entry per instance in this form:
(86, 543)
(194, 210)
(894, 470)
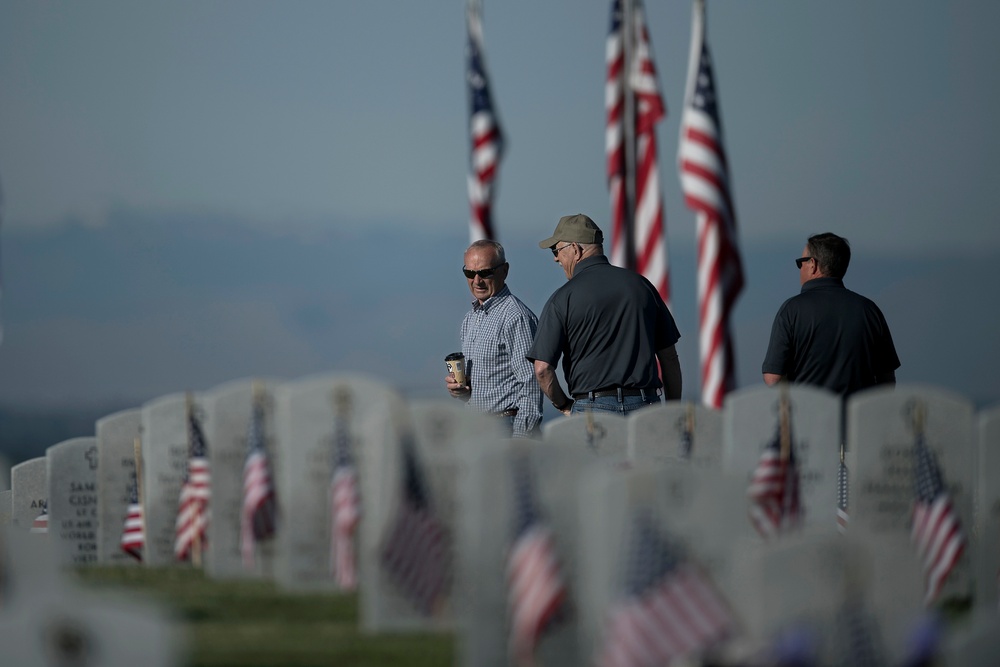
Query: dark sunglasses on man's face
(482, 273)
(801, 260)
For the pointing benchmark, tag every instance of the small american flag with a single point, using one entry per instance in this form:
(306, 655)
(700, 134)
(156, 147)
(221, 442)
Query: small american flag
(133, 532)
(258, 513)
(706, 184)
(842, 515)
(537, 592)
(937, 533)
(485, 133)
(193, 511)
(774, 490)
(670, 608)
(345, 510)
(41, 522)
(417, 552)
(638, 232)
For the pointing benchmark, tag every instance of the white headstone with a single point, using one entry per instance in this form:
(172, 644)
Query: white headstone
(5, 507)
(986, 557)
(750, 422)
(676, 431)
(67, 628)
(72, 484)
(228, 416)
(445, 435)
(881, 436)
(165, 451)
(975, 644)
(28, 565)
(602, 433)
(805, 582)
(486, 534)
(307, 413)
(29, 499)
(116, 440)
(698, 511)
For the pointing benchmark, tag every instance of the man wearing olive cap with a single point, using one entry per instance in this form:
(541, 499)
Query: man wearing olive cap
(608, 325)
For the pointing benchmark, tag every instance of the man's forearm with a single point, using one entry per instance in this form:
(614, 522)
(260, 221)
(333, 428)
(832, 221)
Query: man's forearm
(670, 368)
(549, 384)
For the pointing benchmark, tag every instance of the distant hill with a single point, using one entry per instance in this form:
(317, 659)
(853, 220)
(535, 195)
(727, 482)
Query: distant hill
(26, 433)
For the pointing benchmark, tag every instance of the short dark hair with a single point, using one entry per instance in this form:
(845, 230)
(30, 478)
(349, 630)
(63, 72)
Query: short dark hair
(831, 252)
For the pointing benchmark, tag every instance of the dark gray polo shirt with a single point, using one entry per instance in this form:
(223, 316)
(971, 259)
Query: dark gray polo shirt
(606, 324)
(830, 337)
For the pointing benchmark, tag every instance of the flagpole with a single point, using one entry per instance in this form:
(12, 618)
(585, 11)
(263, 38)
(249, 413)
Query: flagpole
(785, 423)
(628, 135)
(196, 544)
(139, 486)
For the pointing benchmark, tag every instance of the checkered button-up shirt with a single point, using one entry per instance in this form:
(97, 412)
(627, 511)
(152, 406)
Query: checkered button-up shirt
(495, 337)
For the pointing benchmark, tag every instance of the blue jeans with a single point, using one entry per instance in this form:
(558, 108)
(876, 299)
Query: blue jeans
(611, 404)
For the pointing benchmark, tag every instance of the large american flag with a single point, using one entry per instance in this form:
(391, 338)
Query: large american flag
(705, 181)
(936, 533)
(638, 232)
(133, 532)
(345, 510)
(775, 503)
(670, 608)
(259, 509)
(537, 592)
(842, 497)
(416, 554)
(486, 136)
(192, 511)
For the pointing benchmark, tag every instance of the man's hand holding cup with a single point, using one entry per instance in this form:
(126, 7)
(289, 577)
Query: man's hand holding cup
(456, 381)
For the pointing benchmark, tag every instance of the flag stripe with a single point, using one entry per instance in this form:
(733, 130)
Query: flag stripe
(486, 137)
(537, 591)
(704, 177)
(193, 507)
(637, 79)
(937, 533)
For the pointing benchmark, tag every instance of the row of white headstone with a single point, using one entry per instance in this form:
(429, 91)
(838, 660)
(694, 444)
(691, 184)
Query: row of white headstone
(685, 466)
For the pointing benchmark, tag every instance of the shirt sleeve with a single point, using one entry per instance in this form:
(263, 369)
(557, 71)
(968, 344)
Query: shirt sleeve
(886, 357)
(779, 346)
(521, 333)
(667, 333)
(550, 338)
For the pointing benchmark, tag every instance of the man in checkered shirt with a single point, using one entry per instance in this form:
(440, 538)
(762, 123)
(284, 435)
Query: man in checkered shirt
(496, 334)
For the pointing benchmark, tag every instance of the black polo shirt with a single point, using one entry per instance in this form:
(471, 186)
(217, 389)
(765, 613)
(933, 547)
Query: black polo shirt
(830, 337)
(606, 324)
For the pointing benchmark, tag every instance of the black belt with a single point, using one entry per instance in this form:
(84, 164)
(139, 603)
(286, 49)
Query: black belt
(624, 391)
(509, 412)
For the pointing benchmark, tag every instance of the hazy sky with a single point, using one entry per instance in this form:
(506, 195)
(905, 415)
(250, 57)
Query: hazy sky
(270, 124)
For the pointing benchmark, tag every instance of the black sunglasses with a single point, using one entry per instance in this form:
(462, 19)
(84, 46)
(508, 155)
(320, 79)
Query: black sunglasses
(556, 250)
(482, 273)
(802, 260)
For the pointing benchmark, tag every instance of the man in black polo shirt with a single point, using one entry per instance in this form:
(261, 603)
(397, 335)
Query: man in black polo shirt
(827, 335)
(609, 326)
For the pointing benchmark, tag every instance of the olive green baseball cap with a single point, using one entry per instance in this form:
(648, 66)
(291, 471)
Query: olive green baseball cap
(574, 229)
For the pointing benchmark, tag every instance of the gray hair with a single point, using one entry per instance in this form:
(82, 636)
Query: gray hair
(496, 247)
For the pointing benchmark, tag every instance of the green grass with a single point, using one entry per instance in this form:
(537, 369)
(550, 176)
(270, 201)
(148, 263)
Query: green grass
(253, 624)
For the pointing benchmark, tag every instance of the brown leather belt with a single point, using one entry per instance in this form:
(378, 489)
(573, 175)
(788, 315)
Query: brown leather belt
(509, 412)
(625, 391)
